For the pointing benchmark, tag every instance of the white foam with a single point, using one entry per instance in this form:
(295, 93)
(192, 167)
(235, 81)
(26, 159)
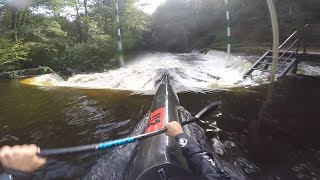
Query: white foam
(307, 69)
(189, 72)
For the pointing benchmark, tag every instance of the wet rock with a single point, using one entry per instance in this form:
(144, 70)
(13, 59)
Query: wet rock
(218, 146)
(204, 50)
(25, 73)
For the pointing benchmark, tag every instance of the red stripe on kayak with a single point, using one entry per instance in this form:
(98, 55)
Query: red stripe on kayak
(155, 121)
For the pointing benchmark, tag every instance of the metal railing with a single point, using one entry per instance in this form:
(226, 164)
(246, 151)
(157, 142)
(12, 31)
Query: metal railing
(294, 39)
(293, 44)
(311, 36)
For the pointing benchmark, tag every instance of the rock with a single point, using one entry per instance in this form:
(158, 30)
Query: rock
(204, 50)
(25, 73)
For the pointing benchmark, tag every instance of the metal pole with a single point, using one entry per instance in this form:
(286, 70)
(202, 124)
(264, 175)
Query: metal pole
(119, 39)
(228, 26)
(275, 30)
(304, 39)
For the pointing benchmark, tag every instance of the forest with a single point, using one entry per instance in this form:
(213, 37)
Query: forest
(81, 34)
(60, 34)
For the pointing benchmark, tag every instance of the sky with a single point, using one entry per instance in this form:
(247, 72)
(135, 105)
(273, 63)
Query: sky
(149, 5)
(153, 4)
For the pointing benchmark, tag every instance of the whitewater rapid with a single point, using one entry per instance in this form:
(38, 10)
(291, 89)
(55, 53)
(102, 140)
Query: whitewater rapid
(188, 72)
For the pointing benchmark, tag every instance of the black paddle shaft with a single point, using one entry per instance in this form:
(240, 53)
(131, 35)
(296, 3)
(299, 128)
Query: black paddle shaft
(104, 145)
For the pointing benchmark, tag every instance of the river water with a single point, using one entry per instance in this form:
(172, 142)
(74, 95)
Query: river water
(263, 131)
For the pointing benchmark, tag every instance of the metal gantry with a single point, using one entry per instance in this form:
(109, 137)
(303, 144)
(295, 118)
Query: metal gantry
(287, 51)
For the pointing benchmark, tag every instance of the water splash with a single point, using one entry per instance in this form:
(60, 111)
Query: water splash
(308, 69)
(189, 72)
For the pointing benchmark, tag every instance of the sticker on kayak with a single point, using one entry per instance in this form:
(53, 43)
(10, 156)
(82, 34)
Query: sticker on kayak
(155, 121)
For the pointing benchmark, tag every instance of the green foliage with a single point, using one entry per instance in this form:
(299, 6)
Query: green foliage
(134, 26)
(41, 29)
(12, 55)
(47, 55)
(90, 56)
(46, 35)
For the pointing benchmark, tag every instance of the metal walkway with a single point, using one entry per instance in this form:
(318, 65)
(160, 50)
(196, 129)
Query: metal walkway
(287, 58)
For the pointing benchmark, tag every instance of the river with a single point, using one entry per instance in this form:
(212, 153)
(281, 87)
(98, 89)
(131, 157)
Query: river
(263, 131)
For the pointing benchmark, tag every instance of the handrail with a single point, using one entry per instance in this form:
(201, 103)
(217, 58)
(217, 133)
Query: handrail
(295, 43)
(294, 33)
(289, 47)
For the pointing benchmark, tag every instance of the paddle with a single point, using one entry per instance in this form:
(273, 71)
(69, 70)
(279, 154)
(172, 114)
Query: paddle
(108, 144)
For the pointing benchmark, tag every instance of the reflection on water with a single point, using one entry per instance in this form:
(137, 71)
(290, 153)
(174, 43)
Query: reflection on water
(263, 132)
(57, 117)
(283, 136)
(270, 132)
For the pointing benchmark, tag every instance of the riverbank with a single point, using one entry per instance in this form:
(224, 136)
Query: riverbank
(25, 73)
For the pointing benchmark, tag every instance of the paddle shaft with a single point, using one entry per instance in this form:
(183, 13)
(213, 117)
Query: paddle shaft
(105, 145)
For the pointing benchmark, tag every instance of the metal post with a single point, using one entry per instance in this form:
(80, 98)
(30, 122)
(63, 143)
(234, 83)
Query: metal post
(228, 26)
(304, 39)
(275, 29)
(119, 39)
(295, 67)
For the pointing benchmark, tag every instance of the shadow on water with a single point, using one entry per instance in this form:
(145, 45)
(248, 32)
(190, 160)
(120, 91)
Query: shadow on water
(262, 132)
(269, 131)
(283, 139)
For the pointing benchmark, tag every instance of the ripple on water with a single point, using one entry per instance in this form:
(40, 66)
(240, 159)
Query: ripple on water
(82, 112)
(9, 138)
(101, 130)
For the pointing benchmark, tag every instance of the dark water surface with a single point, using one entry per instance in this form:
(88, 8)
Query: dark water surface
(268, 131)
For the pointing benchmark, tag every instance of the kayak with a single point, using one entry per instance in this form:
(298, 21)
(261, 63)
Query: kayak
(160, 157)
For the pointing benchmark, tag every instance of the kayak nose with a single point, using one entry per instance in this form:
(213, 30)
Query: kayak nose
(165, 79)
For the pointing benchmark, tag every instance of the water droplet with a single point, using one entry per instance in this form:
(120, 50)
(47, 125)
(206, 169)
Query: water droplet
(229, 144)
(219, 151)
(249, 171)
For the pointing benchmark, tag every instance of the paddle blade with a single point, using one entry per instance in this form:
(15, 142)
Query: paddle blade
(204, 112)
(208, 109)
